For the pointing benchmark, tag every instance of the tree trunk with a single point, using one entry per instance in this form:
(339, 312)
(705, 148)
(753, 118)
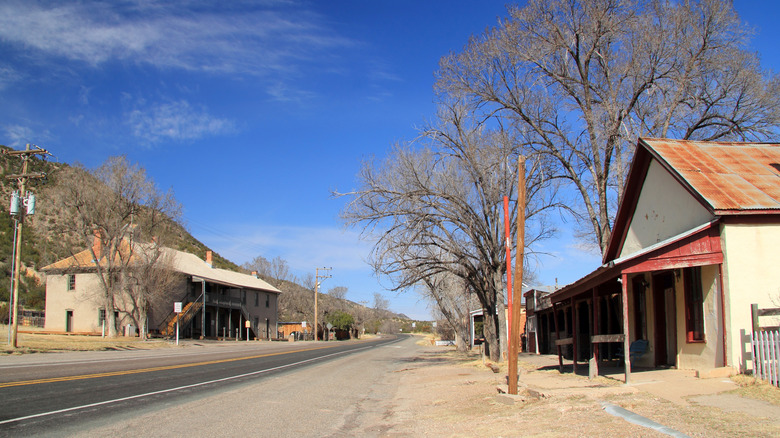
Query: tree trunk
(111, 319)
(462, 336)
(142, 323)
(501, 316)
(492, 346)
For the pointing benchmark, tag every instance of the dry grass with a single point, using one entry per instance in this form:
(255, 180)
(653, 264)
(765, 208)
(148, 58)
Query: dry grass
(45, 342)
(757, 389)
(455, 395)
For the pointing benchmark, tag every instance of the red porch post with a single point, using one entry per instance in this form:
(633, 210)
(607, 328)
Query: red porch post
(595, 345)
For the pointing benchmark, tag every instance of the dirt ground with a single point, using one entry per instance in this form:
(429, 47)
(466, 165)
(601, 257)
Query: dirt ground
(456, 395)
(444, 393)
(31, 340)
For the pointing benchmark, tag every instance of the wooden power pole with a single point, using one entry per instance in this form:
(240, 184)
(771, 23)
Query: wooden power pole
(517, 289)
(21, 212)
(316, 293)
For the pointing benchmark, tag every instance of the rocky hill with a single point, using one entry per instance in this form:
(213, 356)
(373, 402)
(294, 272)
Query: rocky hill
(43, 244)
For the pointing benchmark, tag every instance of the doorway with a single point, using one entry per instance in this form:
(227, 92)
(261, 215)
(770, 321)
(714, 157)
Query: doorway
(665, 319)
(68, 321)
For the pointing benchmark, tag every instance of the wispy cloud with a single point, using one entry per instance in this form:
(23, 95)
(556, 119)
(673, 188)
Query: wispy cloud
(253, 38)
(8, 76)
(302, 247)
(178, 121)
(19, 135)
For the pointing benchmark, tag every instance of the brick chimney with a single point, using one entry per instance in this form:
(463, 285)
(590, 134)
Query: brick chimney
(254, 274)
(209, 259)
(97, 245)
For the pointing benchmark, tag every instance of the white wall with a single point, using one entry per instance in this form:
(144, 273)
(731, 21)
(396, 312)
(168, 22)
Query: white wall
(84, 304)
(752, 275)
(664, 209)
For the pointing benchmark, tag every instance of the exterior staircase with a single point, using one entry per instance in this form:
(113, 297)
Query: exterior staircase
(188, 312)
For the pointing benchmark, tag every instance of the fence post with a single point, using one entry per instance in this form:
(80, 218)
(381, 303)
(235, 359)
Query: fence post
(754, 317)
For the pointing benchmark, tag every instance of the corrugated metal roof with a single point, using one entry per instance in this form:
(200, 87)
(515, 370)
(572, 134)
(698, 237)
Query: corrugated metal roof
(730, 176)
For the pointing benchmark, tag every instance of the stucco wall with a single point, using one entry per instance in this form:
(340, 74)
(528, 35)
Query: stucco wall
(692, 356)
(701, 355)
(664, 209)
(81, 301)
(751, 275)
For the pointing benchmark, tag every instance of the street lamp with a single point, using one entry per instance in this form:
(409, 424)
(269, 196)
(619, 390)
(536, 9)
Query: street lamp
(203, 310)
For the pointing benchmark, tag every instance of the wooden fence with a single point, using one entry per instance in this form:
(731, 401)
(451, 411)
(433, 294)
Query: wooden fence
(766, 355)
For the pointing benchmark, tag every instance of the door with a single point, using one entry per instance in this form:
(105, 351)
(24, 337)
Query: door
(665, 326)
(68, 321)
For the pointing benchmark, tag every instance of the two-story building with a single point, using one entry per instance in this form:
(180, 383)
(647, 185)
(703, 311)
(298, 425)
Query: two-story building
(214, 302)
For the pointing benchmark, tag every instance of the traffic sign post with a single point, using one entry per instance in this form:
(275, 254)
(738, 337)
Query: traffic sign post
(177, 310)
(246, 324)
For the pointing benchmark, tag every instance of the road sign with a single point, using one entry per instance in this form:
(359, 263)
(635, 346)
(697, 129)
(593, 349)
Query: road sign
(177, 307)
(246, 324)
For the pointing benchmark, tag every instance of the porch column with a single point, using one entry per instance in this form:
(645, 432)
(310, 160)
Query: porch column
(595, 346)
(626, 342)
(557, 336)
(722, 297)
(575, 339)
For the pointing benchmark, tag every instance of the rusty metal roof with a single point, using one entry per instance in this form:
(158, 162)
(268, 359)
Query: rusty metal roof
(732, 177)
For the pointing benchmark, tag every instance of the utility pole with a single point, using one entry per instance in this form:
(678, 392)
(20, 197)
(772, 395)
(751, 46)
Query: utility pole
(517, 290)
(316, 292)
(29, 202)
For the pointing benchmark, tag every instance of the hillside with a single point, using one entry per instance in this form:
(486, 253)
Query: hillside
(43, 244)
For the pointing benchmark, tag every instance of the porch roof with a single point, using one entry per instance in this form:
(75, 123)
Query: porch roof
(696, 247)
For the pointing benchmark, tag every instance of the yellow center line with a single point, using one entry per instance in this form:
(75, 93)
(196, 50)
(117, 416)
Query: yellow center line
(149, 370)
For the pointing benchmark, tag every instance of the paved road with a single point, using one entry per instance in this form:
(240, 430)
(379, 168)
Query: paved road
(258, 388)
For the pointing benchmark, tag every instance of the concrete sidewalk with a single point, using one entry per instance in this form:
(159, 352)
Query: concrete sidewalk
(680, 387)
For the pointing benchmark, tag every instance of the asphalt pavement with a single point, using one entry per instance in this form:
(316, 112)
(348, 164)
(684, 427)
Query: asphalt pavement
(207, 389)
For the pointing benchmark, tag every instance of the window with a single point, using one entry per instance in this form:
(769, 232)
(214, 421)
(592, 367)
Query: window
(102, 317)
(267, 300)
(71, 281)
(694, 305)
(257, 299)
(640, 309)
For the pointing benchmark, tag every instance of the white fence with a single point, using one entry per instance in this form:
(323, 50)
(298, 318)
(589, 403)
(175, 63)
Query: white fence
(766, 355)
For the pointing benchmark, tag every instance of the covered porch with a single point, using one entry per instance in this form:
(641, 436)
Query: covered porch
(669, 295)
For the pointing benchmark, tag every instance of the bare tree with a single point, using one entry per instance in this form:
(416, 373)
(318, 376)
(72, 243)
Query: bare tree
(339, 292)
(150, 283)
(580, 80)
(276, 269)
(438, 209)
(452, 301)
(380, 302)
(259, 264)
(112, 208)
(279, 269)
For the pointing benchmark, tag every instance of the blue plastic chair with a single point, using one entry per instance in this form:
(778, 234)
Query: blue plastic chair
(637, 349)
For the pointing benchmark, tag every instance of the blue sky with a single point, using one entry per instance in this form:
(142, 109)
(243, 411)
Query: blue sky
(253, 112)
